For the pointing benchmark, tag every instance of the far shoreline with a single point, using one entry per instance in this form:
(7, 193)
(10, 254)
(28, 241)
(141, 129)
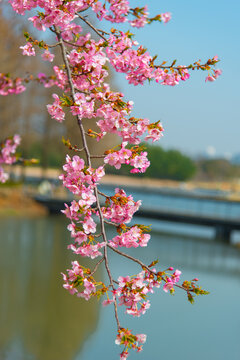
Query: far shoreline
(229, 189)
(51, 174)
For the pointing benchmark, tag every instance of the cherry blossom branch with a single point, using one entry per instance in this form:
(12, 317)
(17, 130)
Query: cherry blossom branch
(83, 77)
(85, 147)
(144, 267)
(196, 65)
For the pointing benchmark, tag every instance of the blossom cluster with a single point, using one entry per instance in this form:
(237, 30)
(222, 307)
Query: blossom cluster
(81, 181)
(129, 341)
(7, 154)
(138, 64)
(77, 277)
(120, 208)
(121, 51)
(28, 49)
(61, 14)
(113, 119)
(133, 157)
(10, 86)
(132, 292)
(171, 281)
(132, 237)
(55, 110)
(216, 73)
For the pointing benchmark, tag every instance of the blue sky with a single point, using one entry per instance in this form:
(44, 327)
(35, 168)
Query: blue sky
(196, 115)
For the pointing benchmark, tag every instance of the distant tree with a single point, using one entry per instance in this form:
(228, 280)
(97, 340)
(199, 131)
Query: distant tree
(216, 169)
(169, 164)
(165, 164)
(23, 113)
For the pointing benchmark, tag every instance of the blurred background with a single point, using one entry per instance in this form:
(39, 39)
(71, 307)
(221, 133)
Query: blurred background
(194, 178)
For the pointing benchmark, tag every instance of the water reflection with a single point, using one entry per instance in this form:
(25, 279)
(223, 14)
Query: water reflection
(38, 318)
(176, 329)
(205, 255)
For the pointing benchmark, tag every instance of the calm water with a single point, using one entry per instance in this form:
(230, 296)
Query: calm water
(39, 320)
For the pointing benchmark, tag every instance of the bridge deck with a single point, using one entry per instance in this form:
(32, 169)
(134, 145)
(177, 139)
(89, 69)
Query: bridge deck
(223, 226)
(189, 218)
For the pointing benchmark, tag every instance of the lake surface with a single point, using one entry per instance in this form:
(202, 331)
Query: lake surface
(39, 320)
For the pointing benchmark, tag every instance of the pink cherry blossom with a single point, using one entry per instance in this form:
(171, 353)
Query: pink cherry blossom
(168, 285)
(28, 50)
(55, 110)
(7, 154)
(210, 78)
(77, 283)
(170, 281)
(3, 175)
(214, 76)
(107, 302)
(166, 17)
(121, 208)
(141, 338)
(10, 86)
(47, 56)
(131, 238)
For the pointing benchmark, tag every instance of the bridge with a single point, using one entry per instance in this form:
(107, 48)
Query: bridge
(223, 226)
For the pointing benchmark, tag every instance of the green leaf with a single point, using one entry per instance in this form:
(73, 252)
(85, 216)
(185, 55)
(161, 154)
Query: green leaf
(153, 263)
(26, 35)
(30, 162)
(190, 298)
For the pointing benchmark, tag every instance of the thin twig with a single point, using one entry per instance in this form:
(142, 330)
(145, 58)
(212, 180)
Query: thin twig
(81, 91)
(111, 282)
(101, 193)
(143, 265)
(131, 258)
(96, 267)
(97, 156)
(53, 45)
(79, 150)
(92, 27)
(97, 235)
(103, 32)
(71, 43)
(111, 223)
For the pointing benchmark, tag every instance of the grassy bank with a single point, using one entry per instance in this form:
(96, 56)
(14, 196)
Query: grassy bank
(15, 202)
